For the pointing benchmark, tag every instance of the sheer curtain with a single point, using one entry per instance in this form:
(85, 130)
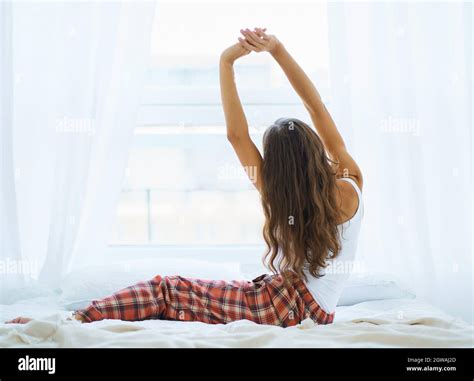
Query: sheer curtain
(9, 237)
(401, 77)
(71, 76)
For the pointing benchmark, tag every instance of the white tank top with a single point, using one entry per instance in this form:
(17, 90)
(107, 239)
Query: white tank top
(327, 289)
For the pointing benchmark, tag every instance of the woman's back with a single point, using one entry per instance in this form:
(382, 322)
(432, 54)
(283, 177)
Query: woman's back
(327, 289)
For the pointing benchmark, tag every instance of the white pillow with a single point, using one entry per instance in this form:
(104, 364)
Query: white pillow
(83, 286)
(363, 288)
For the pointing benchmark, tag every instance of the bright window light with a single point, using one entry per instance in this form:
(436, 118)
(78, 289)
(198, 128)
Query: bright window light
(183, 183)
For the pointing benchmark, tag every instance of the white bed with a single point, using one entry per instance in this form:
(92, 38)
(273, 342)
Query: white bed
(396, 319)
(384, 323)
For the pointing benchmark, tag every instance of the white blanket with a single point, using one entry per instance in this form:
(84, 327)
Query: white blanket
(386, 323)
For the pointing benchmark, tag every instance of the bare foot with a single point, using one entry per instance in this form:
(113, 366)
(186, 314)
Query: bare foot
(19, 320)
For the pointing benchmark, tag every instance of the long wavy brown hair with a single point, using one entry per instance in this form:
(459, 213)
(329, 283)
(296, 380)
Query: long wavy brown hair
(298, 198)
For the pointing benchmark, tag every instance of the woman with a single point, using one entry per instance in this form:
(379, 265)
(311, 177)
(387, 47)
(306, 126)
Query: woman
(311, 195)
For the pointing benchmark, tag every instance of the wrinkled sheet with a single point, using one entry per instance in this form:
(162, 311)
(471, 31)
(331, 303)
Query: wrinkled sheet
(385, 323)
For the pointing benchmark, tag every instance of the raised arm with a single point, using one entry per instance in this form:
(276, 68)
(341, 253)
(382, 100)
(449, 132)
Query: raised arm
(236, 122)
(258, 40)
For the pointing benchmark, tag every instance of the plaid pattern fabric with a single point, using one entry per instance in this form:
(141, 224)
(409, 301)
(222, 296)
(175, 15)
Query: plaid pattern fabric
(265, 300)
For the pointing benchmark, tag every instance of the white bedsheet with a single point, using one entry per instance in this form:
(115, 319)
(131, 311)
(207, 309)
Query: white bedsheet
(386, 323)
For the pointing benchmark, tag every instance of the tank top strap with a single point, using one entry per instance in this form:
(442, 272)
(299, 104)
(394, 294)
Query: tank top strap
(354, 184)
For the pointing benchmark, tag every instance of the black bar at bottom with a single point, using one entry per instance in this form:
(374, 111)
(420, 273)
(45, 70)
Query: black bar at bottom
(312, 364)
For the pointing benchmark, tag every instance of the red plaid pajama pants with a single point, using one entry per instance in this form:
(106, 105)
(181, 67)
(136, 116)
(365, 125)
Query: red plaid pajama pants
(265, 300)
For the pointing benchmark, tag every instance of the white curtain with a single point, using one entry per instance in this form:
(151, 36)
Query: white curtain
(9, 238)
(71, 79)
(401, 76)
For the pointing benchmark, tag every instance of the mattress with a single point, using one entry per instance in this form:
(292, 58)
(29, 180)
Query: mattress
(382, 323)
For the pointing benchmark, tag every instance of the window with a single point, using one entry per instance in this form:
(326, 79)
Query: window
(184, 184)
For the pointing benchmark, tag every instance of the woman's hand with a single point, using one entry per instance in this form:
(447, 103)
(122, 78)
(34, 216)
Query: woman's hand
(258, 41)
(19, 320)
(234, 52)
